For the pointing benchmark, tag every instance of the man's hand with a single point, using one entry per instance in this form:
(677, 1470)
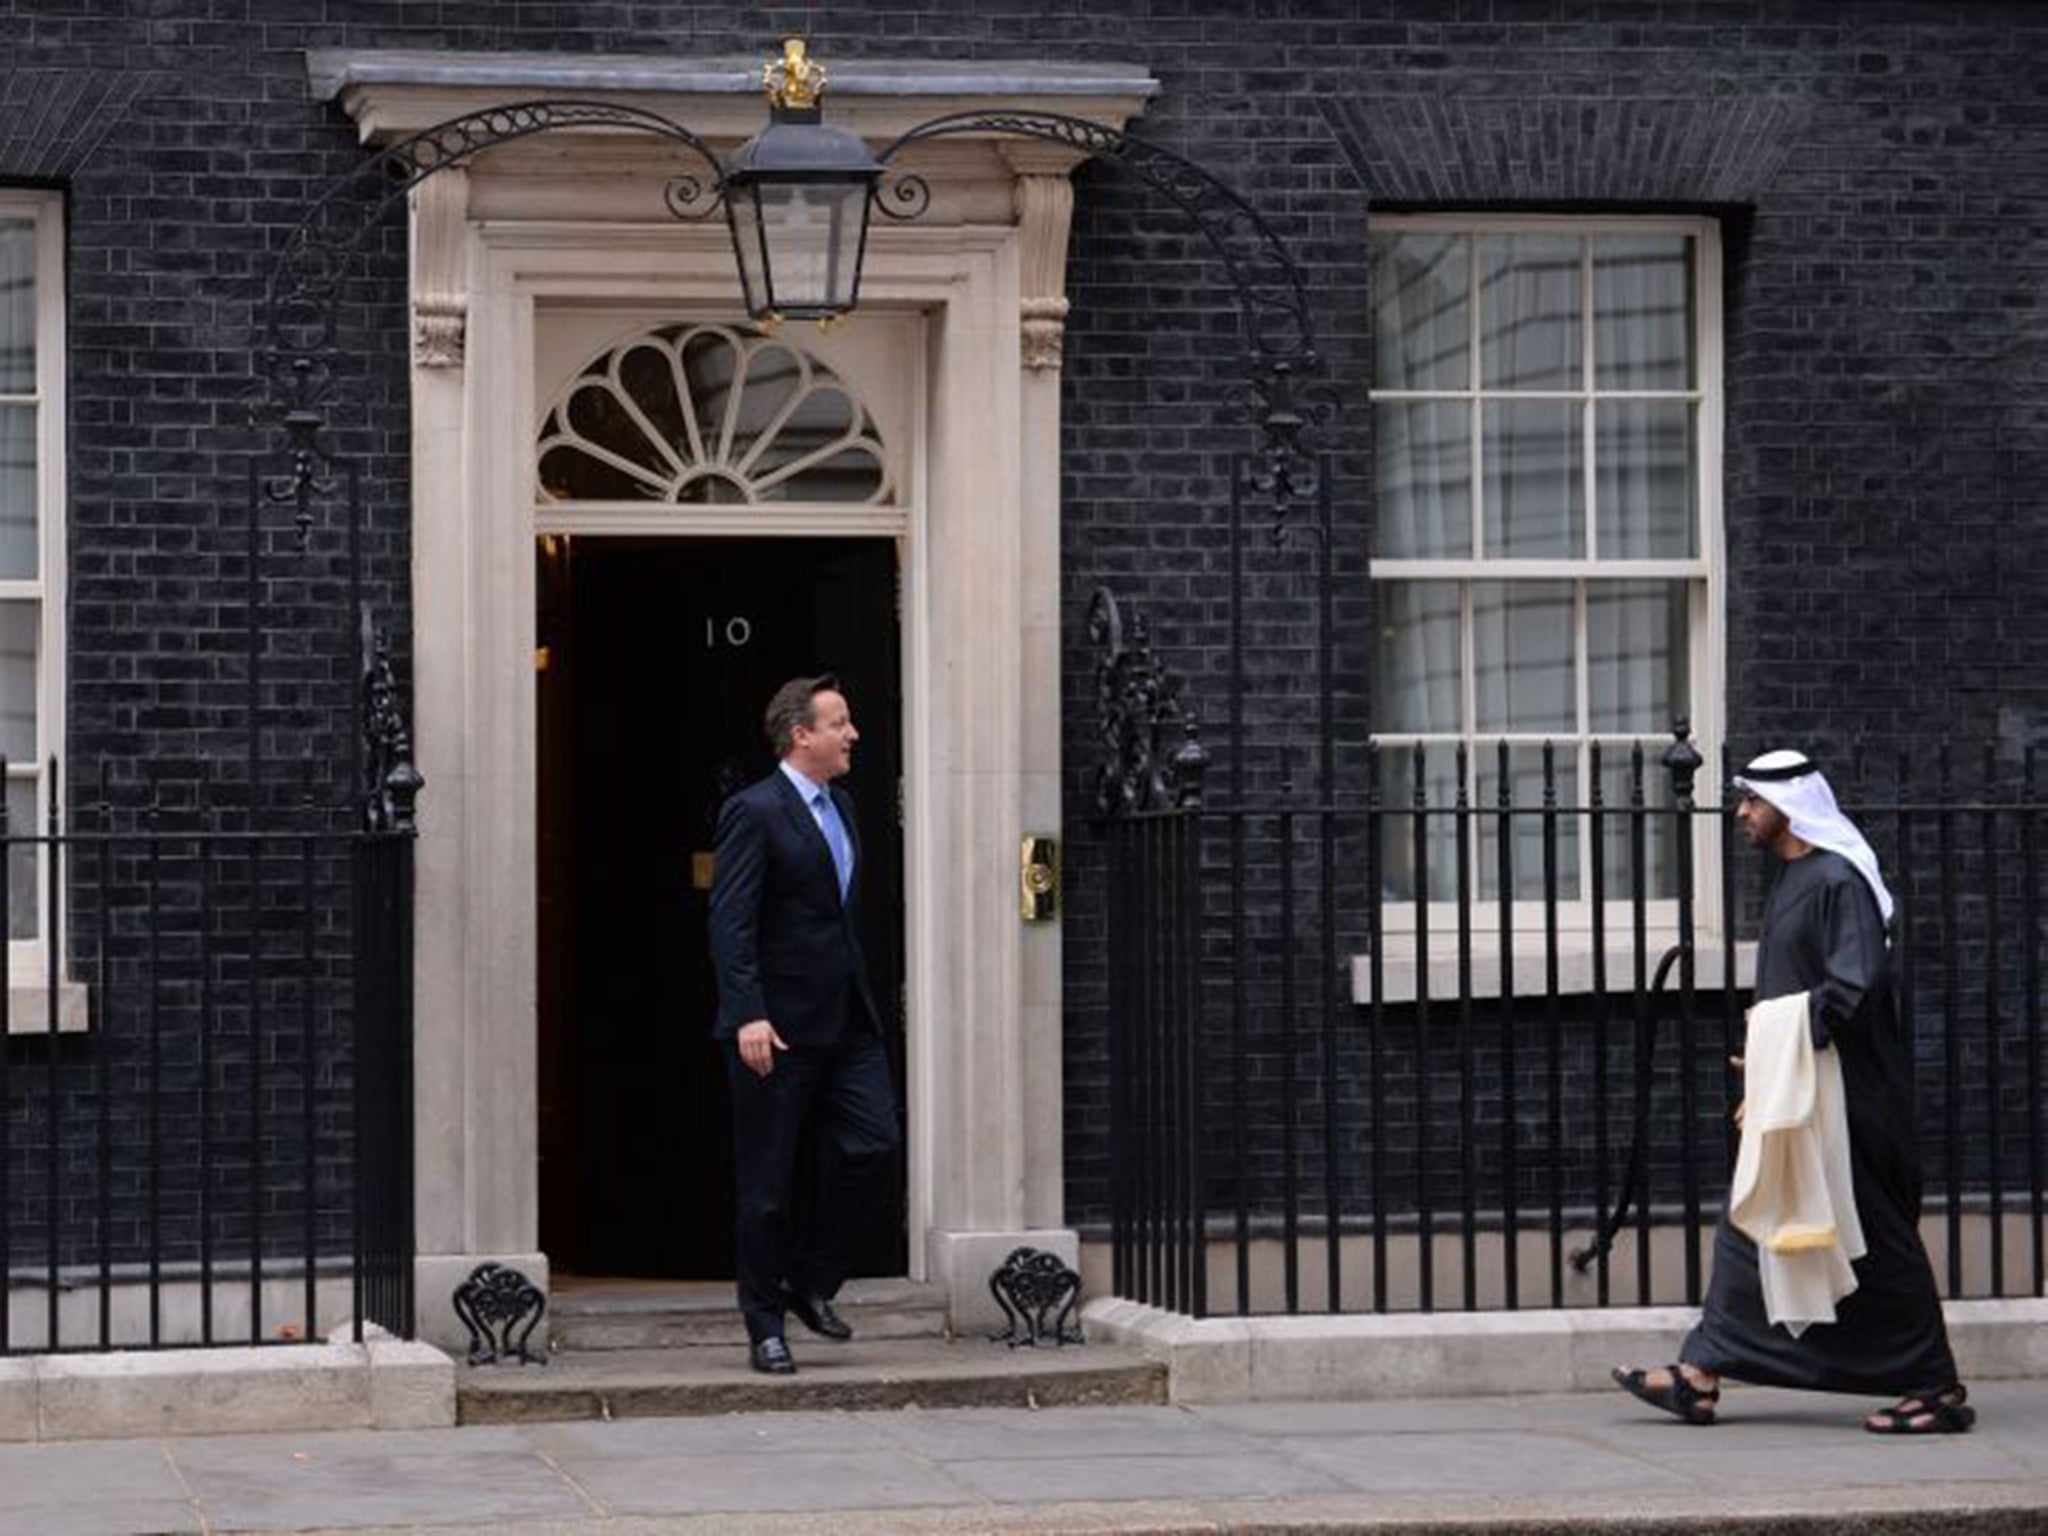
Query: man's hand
(758, 1044)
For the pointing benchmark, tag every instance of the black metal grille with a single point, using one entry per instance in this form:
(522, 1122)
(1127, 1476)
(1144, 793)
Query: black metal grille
(206, 1136)
(1527, 1132)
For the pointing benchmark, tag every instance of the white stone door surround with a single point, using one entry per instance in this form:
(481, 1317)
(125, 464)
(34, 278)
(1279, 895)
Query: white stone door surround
(576, 218)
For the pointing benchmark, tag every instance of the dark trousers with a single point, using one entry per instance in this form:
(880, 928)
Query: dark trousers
(815, 1145)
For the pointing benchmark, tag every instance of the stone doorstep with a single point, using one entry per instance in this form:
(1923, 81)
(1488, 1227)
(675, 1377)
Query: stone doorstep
(620, 1315)
(379, 1384)
(866, 1373)
(1356, 1358)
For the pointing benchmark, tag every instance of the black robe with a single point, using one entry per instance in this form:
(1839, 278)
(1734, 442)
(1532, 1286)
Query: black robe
(1822, 934)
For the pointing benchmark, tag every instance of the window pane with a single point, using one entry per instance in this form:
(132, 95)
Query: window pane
(1423, 467)
(772, 377)
(17, 307)
(1397, 832)
(1523, 655)
(18, 492)
(1642, 312)
(1529, 312)
(1526, 821)
(1535, 491)
(18, 681)
(1638, 655)
(1416, 661)
(1644, 451)
(21, 860)
(1659, 840)
(1423, 338)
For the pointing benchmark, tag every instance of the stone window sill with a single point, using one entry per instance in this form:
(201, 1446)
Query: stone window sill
(28, 1007)
(1400, 974)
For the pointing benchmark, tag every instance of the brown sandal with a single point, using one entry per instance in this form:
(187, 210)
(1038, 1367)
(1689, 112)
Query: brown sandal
(1677, 1396)
(1926, 1413)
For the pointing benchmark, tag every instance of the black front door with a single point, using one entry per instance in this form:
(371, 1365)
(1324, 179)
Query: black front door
(657, 659)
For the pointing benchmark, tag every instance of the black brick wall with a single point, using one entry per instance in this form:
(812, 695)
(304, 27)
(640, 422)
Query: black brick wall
(1881, 174)
(1882, 171)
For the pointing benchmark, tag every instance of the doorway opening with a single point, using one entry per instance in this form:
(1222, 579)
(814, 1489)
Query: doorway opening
(656, 658)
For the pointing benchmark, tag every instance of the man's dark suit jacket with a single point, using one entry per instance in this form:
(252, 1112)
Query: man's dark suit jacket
(785, 947)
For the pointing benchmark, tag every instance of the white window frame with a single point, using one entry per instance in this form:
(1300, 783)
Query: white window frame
(891, 515)
(1705, 573)
(27, 957)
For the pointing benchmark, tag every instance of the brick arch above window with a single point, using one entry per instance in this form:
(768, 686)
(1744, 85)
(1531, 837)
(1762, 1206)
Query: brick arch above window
(1644, 151)
(52, 121)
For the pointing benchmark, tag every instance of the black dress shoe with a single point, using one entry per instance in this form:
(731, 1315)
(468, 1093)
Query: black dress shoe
(816, 1314)
(771, 1357)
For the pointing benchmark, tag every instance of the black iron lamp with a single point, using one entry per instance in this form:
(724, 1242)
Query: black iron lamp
(796, 197)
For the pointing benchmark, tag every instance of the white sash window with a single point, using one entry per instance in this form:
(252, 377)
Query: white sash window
(31, 537)
(1546, 567)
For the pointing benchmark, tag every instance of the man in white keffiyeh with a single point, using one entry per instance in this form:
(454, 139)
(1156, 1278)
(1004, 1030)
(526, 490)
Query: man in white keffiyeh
(1824, 947)
(1803, 795)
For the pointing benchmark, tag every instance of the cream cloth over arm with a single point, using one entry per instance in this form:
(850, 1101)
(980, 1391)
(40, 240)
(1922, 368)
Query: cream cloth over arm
(1792, 1194)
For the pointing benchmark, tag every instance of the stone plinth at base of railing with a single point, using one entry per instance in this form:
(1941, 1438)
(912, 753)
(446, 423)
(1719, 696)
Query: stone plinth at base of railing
(1476, 1354)
(378, 1384)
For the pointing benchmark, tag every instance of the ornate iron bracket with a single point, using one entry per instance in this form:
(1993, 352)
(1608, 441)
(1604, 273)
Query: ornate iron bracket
(300, 361)
(393, 783)
(1142, 767)
(491, 1303)
(302, 302)
(1032, 1286)
(1280, 391)
(302, 424)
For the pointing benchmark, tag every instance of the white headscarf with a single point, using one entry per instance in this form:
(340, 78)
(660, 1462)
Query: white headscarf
(1801, 791)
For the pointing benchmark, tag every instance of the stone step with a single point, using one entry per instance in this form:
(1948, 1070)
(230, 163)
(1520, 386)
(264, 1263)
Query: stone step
(668, 1314)
(881, 1373)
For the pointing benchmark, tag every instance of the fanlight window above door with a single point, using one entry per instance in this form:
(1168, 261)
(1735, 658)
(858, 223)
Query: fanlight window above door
(710, 414)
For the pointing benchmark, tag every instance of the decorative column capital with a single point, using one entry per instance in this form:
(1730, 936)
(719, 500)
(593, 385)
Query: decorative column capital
(440, 304)
(440, 325)
(1045, 332)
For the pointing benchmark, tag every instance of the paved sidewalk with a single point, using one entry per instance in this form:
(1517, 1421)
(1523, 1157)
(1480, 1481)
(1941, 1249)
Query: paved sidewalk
(1779, 1463)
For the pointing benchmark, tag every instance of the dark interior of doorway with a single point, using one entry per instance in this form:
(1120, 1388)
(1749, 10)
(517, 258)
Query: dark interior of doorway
(656, 659)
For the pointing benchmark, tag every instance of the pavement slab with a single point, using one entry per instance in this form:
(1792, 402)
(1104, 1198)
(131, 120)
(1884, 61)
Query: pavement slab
(43, 1473)
(93, 1488)
(104, 1517)
(1005, 1433)
(789, 1480)
(1239, 1475)
(732, 1434)
(1491, 1461)
(299, 1482)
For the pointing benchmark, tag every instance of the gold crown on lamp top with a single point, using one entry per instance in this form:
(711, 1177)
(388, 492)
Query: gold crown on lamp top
(795, 79)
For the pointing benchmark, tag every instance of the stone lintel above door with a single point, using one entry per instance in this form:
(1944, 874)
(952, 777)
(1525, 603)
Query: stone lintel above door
(394, 92)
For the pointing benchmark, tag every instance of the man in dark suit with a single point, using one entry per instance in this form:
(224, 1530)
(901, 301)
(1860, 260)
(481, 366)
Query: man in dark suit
(814, 1113)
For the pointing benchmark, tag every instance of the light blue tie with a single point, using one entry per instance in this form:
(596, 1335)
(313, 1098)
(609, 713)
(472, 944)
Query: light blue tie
(835, 838)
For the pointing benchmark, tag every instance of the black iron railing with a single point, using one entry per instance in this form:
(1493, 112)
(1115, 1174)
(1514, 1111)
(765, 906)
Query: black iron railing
(1417, 1053)
(205, 1101)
